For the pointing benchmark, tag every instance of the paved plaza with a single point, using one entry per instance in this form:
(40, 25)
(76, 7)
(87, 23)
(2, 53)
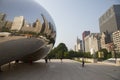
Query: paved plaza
(55, 70)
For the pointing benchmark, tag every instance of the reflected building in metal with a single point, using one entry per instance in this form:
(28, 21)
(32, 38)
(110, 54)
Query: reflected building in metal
(27, 32)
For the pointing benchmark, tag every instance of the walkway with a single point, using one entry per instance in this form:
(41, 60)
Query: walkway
(55, 70)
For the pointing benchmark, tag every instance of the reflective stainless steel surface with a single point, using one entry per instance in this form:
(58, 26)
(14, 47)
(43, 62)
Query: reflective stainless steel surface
(27, 32)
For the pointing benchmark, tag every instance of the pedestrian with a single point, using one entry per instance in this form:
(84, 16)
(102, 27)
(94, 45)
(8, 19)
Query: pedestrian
(46, 60)
(61, 59)
(16, 61)
(83, 62)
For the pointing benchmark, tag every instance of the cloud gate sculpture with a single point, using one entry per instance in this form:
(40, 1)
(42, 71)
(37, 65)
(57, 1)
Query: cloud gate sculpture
(27, 32)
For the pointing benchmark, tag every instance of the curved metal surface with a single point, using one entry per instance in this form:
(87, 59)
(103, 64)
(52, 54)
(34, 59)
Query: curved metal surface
(27, 31)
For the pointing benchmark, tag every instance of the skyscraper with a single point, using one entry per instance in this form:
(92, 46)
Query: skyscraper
(92, 41)
(45, 24)
(2, 16)
(110, 21)
(84, 34)
(17, 23)
(2, 21)
(116, 40)
(78, 46)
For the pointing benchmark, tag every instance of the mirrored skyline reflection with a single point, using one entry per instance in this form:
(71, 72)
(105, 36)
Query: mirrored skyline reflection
(19, 24)
(24, 8)
(26, 30)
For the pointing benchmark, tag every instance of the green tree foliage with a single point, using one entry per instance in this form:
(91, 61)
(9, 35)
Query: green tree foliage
(61, 51)
(71, 54)
(51, 54)
(58, 52)
(87, 55)
(106, 54)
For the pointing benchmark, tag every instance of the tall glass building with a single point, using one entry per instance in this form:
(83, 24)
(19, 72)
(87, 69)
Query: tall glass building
(110, 21)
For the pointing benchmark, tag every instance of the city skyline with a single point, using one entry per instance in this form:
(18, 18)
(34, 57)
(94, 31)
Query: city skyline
(19, 24)
(75, 18)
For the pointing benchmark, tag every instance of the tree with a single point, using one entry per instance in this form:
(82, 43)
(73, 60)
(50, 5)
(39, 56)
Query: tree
(105, 54)
(66, 55)
(51, 54)
(71, 54)
(87, 55)
(58, 52)
(61, 49)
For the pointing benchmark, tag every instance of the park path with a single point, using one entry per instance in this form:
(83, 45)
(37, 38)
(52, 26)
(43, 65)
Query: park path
(55, 70)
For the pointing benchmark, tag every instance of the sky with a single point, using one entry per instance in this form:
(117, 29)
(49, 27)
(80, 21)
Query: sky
(72, 17)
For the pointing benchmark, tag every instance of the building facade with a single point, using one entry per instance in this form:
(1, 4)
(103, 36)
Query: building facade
(104, 42)
(116, 40)
(17, 23)
(92, 42)
(84, 34)
(2, 16)
(86, 44)
(110, 21)
(2, 21)
(78, 46)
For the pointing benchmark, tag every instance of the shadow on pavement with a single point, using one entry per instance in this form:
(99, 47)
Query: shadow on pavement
(21, 71)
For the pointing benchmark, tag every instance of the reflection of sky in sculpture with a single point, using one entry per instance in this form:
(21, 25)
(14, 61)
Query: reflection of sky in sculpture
(27, 8)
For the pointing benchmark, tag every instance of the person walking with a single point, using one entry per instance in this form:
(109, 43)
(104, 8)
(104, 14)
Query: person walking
(83, 62)
(61, 59)
(46, 60)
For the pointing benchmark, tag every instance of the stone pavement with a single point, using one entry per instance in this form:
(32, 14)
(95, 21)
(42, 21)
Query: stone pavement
(55, 70)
